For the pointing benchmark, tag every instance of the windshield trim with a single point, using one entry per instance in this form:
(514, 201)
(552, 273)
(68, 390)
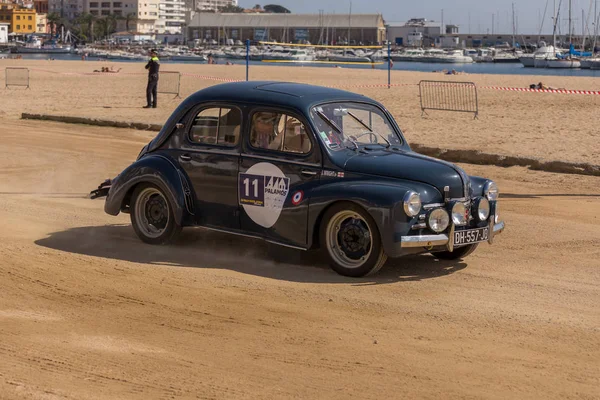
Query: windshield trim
(389, 119)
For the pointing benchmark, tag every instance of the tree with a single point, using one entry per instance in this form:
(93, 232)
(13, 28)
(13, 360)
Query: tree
(52, 19)
(230, 8)
(276, 9)
(131, 17)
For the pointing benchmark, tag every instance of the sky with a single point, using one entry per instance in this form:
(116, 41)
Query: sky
(528, 13)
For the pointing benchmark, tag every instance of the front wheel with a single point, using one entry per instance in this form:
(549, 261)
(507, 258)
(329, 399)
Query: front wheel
(351, 241)
(152, 215)
(457, 254)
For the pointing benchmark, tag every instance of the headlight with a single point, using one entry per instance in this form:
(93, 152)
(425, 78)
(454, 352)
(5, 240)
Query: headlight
(482, 208)
(412, 204)
(459, 214)
(490, 189)
(438, 220)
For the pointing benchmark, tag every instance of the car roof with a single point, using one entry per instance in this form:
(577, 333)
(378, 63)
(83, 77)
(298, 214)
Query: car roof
(293, 95)
(274, 93)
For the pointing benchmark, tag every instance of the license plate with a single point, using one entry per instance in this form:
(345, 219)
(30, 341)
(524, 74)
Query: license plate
(471, 236)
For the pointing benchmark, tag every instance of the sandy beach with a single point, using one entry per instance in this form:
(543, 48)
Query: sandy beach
(88, 311)
(539, 125)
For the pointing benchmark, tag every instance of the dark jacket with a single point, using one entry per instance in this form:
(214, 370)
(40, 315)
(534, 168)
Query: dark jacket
(153, 67)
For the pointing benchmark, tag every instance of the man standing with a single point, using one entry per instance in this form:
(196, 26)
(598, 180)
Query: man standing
(151, 90)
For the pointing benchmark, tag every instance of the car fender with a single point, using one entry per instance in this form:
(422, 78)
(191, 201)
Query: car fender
(383, 200)
(156, 169)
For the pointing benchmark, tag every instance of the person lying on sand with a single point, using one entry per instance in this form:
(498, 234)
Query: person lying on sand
(541, 86)
(106, 69)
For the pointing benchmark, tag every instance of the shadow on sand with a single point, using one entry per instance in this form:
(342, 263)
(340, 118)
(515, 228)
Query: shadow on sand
(200, 248)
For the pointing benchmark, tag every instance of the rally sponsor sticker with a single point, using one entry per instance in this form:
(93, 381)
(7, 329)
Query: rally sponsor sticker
(262, 193)
(325, 138)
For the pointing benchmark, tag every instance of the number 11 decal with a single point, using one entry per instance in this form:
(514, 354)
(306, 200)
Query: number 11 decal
(252, 190)
(254, 185)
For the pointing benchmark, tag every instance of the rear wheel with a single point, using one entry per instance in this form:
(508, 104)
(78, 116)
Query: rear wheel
(351, 241)
(152, 215)
(457, 254)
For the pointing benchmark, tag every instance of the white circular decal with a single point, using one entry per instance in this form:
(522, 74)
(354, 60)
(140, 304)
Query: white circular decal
(262, 193)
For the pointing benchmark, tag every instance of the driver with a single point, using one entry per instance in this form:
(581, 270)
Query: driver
(263, 131)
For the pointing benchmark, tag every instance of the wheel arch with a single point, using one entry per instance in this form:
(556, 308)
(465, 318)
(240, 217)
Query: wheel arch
(382, 200)
(157, 170)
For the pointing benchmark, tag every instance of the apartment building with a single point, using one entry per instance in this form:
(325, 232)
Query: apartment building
(171, 16)
(20, 20)
(67, 9)
(212, 5)
(143, 13)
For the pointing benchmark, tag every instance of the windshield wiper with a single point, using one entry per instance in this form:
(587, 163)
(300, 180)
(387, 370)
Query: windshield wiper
(367, 127)
(334, 126)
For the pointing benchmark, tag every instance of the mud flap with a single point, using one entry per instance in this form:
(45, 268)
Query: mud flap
(102, 190)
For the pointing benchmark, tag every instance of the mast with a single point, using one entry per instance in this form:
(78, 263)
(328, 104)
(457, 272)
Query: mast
(513, 25)
(570, 19)
(349, 22)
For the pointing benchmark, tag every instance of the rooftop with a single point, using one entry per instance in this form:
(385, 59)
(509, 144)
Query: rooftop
(266, 20)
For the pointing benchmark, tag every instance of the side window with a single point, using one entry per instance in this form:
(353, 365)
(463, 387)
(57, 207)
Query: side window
(279, 132)
(217, 126)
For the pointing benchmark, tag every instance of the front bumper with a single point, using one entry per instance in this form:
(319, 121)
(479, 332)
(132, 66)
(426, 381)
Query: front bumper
(443, 239)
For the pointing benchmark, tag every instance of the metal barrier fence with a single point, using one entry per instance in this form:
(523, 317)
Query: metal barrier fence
(448, 96)
(15, 76)
(169, 83)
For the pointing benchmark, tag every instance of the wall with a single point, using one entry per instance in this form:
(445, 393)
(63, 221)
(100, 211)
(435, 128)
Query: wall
(20, 20)
(41, 25)
(3, 33)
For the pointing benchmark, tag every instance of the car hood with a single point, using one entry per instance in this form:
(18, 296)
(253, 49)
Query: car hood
(411, 166)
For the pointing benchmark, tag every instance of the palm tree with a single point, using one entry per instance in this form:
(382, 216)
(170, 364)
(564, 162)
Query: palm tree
(53, 19)
(129, 18)
(87, 20)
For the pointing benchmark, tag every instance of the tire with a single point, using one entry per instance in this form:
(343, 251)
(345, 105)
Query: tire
(457, 254)
(161, 228)
(340, 239)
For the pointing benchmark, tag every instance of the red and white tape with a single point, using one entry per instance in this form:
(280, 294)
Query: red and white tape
(562, 91)
(380, 85)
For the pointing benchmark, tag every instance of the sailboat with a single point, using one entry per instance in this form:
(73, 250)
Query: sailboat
(593, 62)
(569, 60)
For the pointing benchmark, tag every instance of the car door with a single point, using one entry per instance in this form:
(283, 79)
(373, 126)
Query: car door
(209, 153)
(280, 164)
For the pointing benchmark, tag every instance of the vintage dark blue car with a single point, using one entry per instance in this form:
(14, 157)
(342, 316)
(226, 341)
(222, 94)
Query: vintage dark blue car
(302, 166)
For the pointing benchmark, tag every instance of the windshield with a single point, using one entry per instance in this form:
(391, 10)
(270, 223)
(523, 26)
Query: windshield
(349, 124)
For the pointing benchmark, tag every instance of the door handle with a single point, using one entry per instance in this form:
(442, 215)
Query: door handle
(185, 157)
(307, 172)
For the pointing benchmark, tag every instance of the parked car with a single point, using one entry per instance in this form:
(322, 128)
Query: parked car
(306, 167)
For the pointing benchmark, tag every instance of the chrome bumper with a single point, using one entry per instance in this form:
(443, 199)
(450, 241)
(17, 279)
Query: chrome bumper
(443, 239)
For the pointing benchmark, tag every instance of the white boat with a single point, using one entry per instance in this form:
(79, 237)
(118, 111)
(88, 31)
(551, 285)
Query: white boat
(189, 57)
(289, 55)
(35, 46)
(589, 62)
(504, 57)
(408, 55)
(595, 64)
(447, 57)
(347, 55)
(563, 63)
(538, 57)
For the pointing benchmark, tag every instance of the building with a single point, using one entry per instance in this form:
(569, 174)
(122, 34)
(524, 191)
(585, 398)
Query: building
(3, 33)
(20, 20)
(171, 16)
(368, 29)
(417, 32)
(66, 9)
(138, 15)
(41, 25)
(41, 6)
(212, 5)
